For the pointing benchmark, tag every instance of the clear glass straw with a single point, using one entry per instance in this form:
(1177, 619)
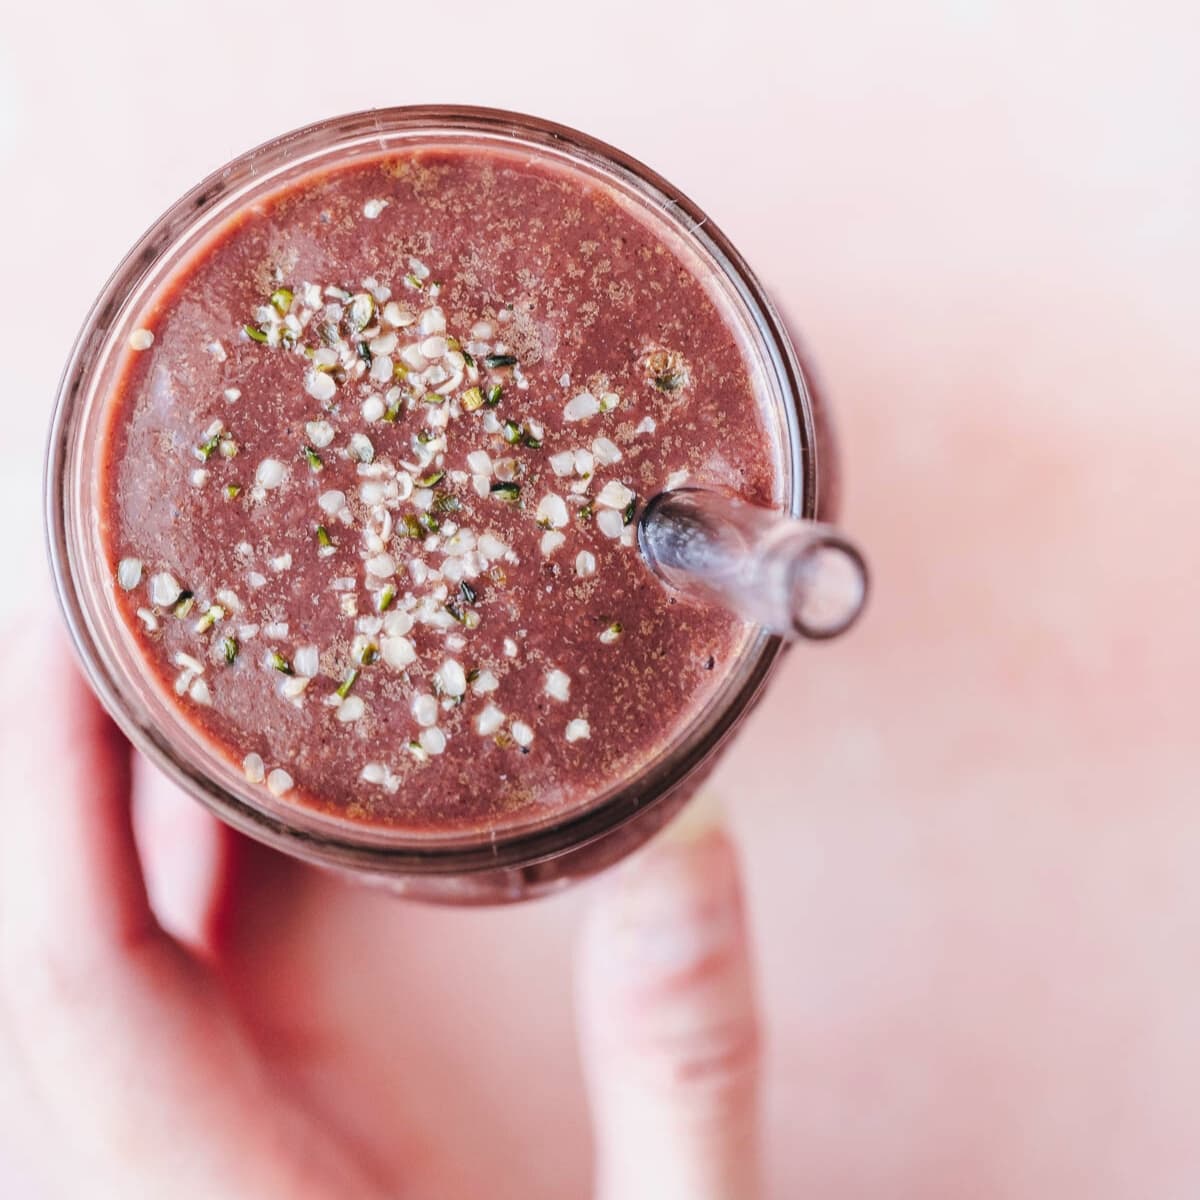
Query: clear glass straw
(797, 578)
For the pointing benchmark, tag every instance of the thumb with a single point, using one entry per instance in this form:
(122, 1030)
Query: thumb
(668, 1025)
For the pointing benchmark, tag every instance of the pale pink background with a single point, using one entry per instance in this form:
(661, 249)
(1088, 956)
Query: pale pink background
(971, 830)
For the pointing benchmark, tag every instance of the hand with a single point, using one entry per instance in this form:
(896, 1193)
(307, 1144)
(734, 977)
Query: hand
(135, 1068)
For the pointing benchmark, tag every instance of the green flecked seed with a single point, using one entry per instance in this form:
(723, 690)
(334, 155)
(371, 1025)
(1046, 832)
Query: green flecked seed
(494, 394)
(508, 492)
(495, 361)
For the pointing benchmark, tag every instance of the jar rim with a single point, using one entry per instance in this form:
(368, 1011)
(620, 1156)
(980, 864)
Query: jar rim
(362, 848)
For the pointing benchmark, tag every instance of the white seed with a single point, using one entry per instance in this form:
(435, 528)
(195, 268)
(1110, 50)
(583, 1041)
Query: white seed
(563, 463)
(148, 619)
(585, 462)
(199, 477)
(510, 648)
(373, 409)
(332, 502)
(425, 709)
(522, 734)
(199, 692)
(434, 348)
(491, 547)
(606, 451)
(229, 599)
(270, 473)
(647, 425)
(381, 368)
(373, 208)
(384, 343)
(281, 562)
(614, 495)
(482, 485)
(412, 358)
(256, 579)
(489, 721)
(141, 339)
(585, 564)
(551, 540)
(165, 589)
(480, 462)
(553, 509)
(485, 682)
(433, 320)
(483, 331)
(395, 315)
(372, 492)
(233, 394)
(397, 622)
(350, 709)
(558, 684)
(577, 730)
(294, 687)
(320, 433)
(374, 773)
(252, 767)
(611, 634)
(452, 678)
(581, 407)
(306, 661)
(398, 652)
(433, 741)
(320, 385)
(610, 522)
(418, 268)
(279, 782)
(129, 573)
(361, 449)
(276, 630)
(382, 566)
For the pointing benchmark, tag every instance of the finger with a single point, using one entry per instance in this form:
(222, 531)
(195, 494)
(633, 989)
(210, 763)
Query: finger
(668, 1025)
(189, 859)
(71, 882)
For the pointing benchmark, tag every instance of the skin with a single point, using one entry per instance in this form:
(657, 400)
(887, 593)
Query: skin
(140, 1057)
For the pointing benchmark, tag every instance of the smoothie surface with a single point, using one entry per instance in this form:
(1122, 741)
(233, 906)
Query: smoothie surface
(370, 483)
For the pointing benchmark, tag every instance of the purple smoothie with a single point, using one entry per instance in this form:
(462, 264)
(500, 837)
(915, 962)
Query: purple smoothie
(370, 477)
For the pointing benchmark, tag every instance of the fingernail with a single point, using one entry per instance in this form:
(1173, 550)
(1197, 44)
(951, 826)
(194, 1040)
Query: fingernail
(700, 816)
(678, 906)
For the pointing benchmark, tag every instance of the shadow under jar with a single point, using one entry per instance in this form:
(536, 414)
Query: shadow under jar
(342, 490)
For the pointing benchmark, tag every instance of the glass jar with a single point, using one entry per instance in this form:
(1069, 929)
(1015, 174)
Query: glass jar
(477, 867)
